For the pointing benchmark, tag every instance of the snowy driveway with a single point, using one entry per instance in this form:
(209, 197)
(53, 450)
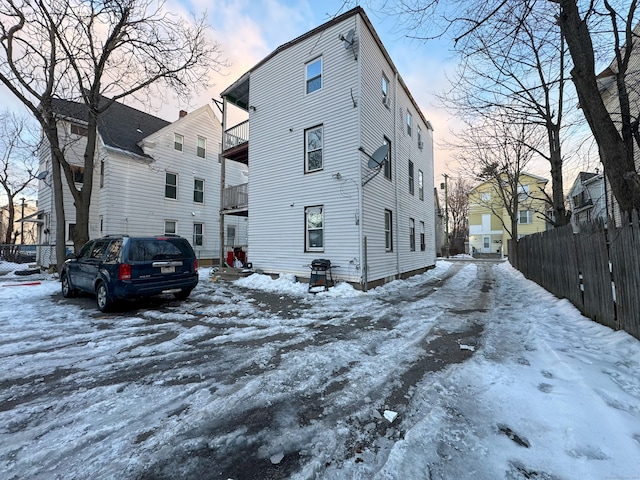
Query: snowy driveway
(489, 375)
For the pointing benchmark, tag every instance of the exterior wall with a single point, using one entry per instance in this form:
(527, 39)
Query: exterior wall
(349, 107)
(132, 199)
(499, 217)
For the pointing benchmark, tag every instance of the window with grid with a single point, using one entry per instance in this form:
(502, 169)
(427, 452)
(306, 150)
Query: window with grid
(313, 149)
(314, 225)
(388, 230)
(412, 235)
(171, 185)
(198, 190)
(525, 216)
(314, 75)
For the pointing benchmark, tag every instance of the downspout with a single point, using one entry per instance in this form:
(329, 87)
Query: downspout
(394, 163)
(222, 162)
(364, 270)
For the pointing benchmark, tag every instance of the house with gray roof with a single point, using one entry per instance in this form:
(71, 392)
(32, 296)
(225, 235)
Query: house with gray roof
(151, 176)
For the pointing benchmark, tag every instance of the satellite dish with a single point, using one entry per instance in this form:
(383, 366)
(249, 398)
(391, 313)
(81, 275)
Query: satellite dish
(348, 40)
(377, 159)
(42, 175)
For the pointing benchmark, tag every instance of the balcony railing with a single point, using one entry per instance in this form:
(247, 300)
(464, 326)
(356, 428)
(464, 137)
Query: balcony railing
(236, 136)
(235, 197)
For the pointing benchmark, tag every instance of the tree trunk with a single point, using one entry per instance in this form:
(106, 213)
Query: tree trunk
(614, 154)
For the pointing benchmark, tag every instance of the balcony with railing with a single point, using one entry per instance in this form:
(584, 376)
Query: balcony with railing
(235, 199)
(235, 143)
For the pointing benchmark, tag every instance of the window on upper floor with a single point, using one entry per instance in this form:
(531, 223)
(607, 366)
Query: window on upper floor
(314, 227)
(420, 185)
(388, 231)
(101, 173)
(385, 91)
(313, 149)
(525, 216)
(198, 190)
(423, 245)
(409, 120)
(485, 196)
(420, 143)
(178, 142)
(78, 174)
(411, 185)
(171, 185)
(387, 160)
(523, 192)
(202, 147)
(79, 130)
(314, 75)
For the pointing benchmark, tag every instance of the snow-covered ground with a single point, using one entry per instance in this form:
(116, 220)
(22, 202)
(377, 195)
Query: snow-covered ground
(468, 371)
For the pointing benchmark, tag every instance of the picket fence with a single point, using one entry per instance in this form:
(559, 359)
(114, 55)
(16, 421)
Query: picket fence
(597, 269)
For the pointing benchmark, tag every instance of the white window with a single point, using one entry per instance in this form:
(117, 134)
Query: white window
(385, 90)
(423, 245)
(198, 234)
(202, 147)
(178, 142)
(313, 149)
(411, 184)
(314, 220)
(171, 185)
(387, 159)
(412, 235)
(170, 227)
(525, 216)
(198, 190)
(420, 185)
(408, 123)
(388, 231)
(314, 75)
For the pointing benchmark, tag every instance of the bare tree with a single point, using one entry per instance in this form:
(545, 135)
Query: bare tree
(596, 27)
(459, 207)
(98, 53)
(495, 152)
(516, 63)
(18, 166)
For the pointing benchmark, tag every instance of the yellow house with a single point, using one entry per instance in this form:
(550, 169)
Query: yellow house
(489, 221)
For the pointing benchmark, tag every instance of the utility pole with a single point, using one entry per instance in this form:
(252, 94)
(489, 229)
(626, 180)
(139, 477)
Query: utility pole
(446, 215)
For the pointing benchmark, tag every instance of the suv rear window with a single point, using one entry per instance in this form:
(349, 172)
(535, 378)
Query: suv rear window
(158, 249)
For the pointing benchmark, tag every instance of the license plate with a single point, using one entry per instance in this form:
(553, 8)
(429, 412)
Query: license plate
(167, 269)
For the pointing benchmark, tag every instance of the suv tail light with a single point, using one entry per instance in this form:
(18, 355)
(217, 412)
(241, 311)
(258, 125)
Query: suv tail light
(125, 272)
(195, 265)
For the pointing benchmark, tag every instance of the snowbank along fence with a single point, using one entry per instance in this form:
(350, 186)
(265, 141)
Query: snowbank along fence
(598, 269)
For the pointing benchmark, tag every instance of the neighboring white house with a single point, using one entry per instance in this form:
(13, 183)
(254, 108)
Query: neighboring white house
(151, 176)
(318, 107)
(587, 200)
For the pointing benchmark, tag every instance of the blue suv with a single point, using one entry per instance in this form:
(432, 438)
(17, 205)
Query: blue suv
(118, 267)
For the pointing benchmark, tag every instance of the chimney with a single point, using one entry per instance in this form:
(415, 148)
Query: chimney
(183, 113)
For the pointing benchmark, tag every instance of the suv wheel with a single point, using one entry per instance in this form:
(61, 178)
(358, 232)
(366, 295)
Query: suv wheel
(67, 290)
(102, 298)
(182, 294)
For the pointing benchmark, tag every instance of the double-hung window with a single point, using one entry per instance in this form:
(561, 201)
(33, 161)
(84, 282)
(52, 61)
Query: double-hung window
(171, 185)
(198, 234)
(314, 226)
(422, 238)
(178, 142)
(525, 216)
(388, 231)
(314, 75)
(198, 190)
(201, 150)
(412, 235)
(387, 159)
(411, 184)
(385, 90)
(408, 123)
(420, 185)
(313, 149)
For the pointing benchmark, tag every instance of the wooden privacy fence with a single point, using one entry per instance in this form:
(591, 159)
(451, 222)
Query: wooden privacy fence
(598, 269)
